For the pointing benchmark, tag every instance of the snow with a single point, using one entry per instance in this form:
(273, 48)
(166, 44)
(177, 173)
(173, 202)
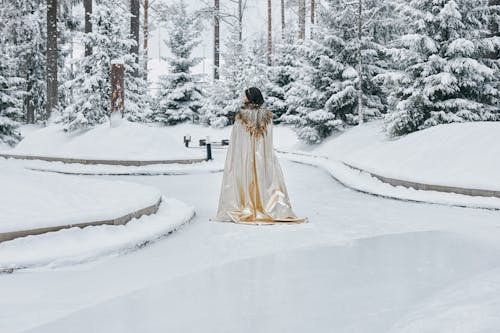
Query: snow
(76, 245)
(362, 264)
(364, 182)
(216, 165)
(325, 283)
(128, 141)
(459, 155)
(31, 199)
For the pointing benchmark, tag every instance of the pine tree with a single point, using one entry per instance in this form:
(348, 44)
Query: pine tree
(324, 97)
(444, 75)
(67, 26)
(180, 97)
(243, 67)
(110, 40)
(284, 70)
(10, 96)
(26, 30)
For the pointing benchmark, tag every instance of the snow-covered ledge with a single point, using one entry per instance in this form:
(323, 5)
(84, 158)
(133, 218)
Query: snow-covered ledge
(78, 245)
(117, 162)
(429, 187)
(124, 219)
(366, 183)
(33, 203)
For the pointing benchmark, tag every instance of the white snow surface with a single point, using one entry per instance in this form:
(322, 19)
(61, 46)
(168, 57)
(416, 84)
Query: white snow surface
(459, 154)
(126, 141)
(364, 182)
(129, 141)
(216, 165)
(362, 264)
(76, 245)
(30, 199)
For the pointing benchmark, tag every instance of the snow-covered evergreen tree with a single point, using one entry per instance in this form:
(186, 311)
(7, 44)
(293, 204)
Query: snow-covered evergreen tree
(444, 76)
(92, 88)
(10, 92)
(244, 66)
(324, 98)
(137, 98)
(67, 24)
(284, 70)
(323, 91)
(180, 96)
(26, 30)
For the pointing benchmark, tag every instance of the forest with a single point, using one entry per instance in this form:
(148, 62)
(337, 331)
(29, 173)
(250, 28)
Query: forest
(327, 65)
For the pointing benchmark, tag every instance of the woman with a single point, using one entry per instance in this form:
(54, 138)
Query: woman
(253, 189)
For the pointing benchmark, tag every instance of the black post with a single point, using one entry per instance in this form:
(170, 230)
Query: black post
(209, 151)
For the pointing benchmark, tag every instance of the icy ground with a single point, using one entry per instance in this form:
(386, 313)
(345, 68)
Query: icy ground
(362, 264)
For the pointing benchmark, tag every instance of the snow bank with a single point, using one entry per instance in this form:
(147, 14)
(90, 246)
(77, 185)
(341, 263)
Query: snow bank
(364, 182)
(459, 154)
(216, 165)
(78, 245)
(127, 141)
(353, 140)
(31, 199)
(117, 170)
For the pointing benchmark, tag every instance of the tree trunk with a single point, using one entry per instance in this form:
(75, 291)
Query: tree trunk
(216, 39)
(134, 32)
(117, 88)
(87, 4)
(302, 19)
(269, 32)
(282, 19)
(51, 57)
(28, 103)
(494, 28)
(240, 20)
(313, 9)
(146, 35)
(360, 66)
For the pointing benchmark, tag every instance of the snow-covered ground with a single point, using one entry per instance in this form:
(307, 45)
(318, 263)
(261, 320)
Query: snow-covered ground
(31, 199)
(216, 165)
(362, 264)
(364, 182)
(76, 245)
(127, 141)
(459, 154)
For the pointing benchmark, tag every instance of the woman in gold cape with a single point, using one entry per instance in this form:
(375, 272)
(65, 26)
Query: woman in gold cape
(253, 189)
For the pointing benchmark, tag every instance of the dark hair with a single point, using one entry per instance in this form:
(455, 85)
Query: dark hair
(254, 96)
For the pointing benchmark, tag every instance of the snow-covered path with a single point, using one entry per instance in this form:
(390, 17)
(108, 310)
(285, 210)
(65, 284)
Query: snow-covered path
(362, 264)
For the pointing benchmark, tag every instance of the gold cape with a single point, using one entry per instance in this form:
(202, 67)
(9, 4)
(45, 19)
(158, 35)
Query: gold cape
(253, 189)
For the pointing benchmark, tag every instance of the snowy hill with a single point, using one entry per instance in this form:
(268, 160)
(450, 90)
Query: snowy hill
(459, 154)
(30, 200)
(128, 141)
